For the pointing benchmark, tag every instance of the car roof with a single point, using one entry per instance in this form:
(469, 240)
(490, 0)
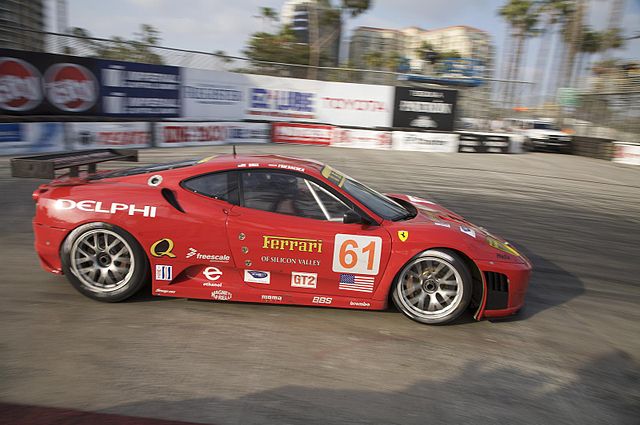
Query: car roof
(226, 161)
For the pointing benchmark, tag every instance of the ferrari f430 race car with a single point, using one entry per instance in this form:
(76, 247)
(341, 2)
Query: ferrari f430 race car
(264, 229)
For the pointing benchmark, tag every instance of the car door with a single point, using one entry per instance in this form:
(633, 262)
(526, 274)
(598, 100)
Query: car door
(287, 235)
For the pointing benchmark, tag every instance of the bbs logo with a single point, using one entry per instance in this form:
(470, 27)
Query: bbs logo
(70, 87)
(322, 300)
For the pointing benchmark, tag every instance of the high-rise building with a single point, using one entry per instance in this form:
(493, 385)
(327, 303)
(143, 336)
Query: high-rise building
(468, 42)
(298, 13)
(16, 16)
(366, 41)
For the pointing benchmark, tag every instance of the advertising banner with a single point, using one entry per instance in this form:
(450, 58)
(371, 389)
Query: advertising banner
(36, 137)
(425, 109)
(43, 84)
(357, 105)
(484, 142)
(213, 95)
(626, 153)
(94, 135)
(425, 142)
(139, 90)
(210, 133)
(281, 99)
(362, 139)
(308, 134)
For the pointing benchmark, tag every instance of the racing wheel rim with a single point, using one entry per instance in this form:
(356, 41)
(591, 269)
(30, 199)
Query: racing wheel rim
(430, 288)
(102, 260)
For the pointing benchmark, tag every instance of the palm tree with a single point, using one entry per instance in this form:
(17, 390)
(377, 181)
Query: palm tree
(562, 10)
(591, 42)
(269, 15)
(552, 13)
(374, 60)
(573, 38)
(322, 12)
(522, 16)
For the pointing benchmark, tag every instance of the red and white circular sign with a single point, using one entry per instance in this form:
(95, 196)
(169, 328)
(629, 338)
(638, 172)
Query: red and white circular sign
(20, 85)
(71, 87)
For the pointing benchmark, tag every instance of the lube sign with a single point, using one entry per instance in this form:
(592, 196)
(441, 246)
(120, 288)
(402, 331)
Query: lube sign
(105, 208)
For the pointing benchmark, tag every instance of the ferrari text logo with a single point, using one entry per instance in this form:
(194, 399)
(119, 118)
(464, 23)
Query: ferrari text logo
(292, 244)
(162, 248)
(403, 235)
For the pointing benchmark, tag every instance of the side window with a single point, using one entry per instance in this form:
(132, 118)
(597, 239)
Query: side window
(285, 193)
(221, 186)
(334, 208)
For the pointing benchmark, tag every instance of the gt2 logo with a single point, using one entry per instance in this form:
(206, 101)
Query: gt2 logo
(304, 280)
(322, 300)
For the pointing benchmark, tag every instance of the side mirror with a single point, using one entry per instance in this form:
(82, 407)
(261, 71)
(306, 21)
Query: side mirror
(351, 217)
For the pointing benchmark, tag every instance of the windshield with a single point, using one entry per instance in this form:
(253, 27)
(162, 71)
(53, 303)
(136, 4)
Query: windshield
(382, 205)
(544, 126)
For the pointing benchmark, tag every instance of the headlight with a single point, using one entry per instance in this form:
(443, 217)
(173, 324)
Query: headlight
(494, 243)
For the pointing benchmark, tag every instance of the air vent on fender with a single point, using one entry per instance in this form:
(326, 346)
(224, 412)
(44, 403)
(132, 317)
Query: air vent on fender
(170, 196)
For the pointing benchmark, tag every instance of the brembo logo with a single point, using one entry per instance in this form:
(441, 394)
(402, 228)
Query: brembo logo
(71, 87)
(20, 87)
(106, 208)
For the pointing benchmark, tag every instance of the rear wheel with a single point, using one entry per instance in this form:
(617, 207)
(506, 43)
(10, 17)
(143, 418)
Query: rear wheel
(104, 262)
(433, 288)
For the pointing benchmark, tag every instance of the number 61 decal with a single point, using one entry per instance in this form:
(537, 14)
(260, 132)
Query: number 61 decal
(357, 254)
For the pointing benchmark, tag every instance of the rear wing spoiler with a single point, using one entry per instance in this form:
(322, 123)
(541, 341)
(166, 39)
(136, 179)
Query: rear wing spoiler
(45, 166)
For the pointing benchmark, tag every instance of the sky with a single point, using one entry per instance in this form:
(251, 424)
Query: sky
(211, 25)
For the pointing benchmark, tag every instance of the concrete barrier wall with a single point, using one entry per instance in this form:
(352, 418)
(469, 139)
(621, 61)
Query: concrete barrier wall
(593, 147)
(28, 138)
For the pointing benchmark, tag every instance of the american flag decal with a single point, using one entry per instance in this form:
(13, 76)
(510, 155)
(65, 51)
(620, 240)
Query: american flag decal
(164, 272)
(352, 282)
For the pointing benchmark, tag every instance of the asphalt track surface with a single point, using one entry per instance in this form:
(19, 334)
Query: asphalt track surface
(571, 356)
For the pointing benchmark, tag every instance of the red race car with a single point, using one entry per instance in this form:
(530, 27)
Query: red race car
(264, 229)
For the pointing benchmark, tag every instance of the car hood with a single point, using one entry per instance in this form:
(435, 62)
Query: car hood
(432, 219)
(536, 132)
(431, 213)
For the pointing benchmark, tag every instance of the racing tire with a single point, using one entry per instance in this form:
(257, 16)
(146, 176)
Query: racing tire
(104, 262)
(434, 288)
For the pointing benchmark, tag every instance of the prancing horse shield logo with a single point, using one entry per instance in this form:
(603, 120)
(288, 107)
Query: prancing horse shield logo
(403, 235)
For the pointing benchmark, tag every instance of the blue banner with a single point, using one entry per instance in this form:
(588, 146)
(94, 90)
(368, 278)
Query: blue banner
(33, 137)
(139, 90)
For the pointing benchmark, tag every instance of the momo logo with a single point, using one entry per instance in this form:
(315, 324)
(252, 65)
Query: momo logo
(71, 87)
(20, 85)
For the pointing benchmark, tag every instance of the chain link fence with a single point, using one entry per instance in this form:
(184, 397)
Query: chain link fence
(610, 108)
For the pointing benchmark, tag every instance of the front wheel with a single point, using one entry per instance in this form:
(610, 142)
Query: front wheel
(104, 262)
(433, 288)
